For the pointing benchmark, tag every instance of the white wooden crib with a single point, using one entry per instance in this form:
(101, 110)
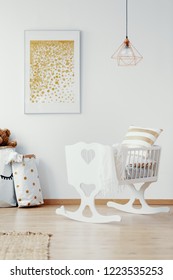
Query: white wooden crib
(87, 172)
(137, 168)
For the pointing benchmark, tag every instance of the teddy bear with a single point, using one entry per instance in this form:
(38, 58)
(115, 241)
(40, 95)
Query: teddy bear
(4, 138)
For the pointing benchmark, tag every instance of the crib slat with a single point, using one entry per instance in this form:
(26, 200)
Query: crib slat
(140, 164)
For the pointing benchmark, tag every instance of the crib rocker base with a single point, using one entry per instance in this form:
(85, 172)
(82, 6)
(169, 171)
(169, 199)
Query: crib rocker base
(144, 207)
(79, 216)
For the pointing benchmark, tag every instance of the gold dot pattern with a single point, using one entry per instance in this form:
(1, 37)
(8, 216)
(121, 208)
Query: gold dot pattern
(52, 71)
(27, 185)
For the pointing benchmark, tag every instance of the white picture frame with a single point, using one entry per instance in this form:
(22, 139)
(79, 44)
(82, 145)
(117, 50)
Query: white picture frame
(52, 71)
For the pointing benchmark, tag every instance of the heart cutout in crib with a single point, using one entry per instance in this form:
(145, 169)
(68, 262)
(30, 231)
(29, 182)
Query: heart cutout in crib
(88, 155)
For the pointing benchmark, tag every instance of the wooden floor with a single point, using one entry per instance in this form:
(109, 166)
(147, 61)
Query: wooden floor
(135, 237)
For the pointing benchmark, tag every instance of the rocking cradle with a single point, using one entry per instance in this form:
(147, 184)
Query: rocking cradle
(86, 164)
(137, 166)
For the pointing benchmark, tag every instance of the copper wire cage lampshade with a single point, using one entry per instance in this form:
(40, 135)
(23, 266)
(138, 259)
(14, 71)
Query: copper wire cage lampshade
(127, 54)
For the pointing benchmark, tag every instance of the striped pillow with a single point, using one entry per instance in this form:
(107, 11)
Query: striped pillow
(138, 136)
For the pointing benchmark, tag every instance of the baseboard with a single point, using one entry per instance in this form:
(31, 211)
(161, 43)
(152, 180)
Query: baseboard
(104, 201)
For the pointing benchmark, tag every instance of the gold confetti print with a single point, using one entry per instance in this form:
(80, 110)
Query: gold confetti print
(52, 71)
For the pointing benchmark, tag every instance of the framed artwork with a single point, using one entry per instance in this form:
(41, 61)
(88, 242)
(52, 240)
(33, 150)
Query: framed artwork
(52, 71)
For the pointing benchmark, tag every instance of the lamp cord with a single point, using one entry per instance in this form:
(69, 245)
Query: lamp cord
(126, 19)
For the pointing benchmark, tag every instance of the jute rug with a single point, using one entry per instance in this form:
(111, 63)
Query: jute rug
(24, 246)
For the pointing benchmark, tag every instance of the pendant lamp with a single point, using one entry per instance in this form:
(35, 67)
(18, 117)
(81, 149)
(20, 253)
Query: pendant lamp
(127, 54)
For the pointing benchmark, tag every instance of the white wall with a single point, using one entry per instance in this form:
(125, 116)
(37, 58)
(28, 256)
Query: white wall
(112, 98)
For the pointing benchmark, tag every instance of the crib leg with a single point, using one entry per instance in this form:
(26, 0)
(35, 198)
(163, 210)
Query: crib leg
(144, 208)
(79, 214)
